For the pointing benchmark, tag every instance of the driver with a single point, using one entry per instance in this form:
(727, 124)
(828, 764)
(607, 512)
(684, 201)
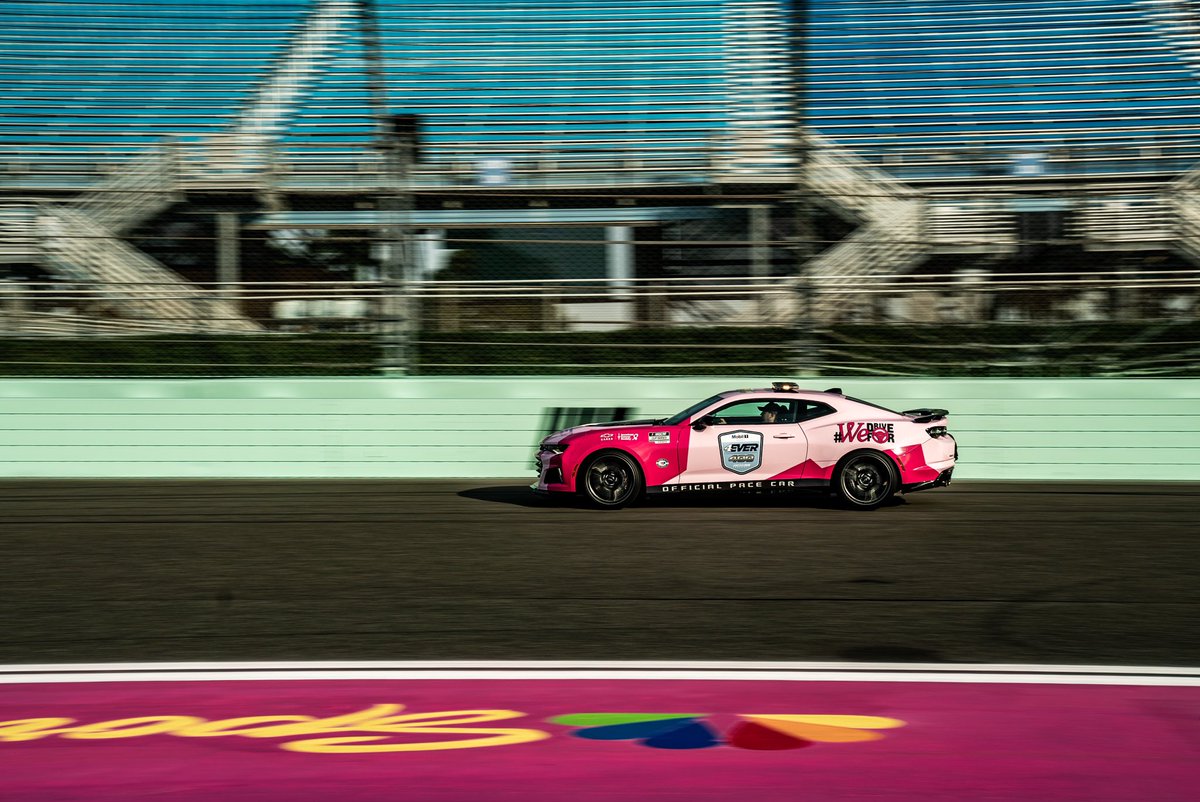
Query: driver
(771, 412)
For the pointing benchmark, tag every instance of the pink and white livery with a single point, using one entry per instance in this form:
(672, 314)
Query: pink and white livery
(778, 440)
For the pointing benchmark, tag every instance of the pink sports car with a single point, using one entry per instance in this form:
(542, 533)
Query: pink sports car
(779, 439)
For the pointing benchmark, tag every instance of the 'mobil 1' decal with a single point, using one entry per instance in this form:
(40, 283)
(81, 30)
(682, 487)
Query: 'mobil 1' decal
(741, 451)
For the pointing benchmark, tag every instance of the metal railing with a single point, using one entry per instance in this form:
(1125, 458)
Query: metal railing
(1115, 322)
(563, 304)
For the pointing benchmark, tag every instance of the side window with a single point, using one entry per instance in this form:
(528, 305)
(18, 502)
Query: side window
(756, 413)
(813, 409)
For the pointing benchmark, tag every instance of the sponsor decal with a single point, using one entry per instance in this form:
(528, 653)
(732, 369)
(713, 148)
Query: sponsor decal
(697, 487)
(662, 463)
(659, 437)
(741, 451)
(627, 436)
(555, 419)
(864, 433)
(381, 728)
(607, 436)
(762, 732)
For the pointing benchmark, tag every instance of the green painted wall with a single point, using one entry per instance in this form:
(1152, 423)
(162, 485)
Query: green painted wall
(1085, 429)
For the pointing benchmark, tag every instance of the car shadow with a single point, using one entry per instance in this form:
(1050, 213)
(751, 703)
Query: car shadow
(523, 496)
(519, 495)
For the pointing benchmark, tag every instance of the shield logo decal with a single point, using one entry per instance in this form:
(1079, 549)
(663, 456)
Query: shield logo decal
(741, 451)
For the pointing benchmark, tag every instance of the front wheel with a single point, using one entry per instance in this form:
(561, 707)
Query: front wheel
(611, 480)
(866, 480)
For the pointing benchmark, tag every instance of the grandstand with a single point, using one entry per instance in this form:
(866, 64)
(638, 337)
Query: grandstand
(945, 142)
(965, 88)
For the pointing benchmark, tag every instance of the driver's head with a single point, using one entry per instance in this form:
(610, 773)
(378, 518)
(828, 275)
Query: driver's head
(770, 411)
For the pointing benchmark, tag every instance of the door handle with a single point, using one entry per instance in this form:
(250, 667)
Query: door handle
(783, 436)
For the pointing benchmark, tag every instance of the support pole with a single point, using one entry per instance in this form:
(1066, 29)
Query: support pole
(399, 313)
(396, 144)
(229, 261)
(651, 305)
(618, 259)
(760, 257)
(804, 239)
(229, 268)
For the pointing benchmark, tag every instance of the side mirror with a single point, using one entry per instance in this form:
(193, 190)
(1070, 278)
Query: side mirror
(703, 423)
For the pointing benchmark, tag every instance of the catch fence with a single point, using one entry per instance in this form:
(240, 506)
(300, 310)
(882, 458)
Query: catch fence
(1038, 323)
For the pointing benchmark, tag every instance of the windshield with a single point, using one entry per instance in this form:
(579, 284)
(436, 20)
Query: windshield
(680, 417)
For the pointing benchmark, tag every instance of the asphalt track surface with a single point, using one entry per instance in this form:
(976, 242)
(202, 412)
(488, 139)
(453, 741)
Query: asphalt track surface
(175, 570)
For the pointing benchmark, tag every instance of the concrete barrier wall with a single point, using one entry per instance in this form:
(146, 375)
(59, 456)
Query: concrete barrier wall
(1086, 429)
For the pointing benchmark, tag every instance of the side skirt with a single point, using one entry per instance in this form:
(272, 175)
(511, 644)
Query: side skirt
(764, 485)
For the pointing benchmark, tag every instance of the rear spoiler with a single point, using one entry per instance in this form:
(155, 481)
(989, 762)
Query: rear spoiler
(924, 415)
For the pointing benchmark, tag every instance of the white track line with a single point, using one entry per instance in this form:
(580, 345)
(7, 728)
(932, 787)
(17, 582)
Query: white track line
(580, 670)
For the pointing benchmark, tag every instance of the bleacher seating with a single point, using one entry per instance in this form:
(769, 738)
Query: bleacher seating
(611, 93)
(968, 88)
(90, 81)
(623, 91)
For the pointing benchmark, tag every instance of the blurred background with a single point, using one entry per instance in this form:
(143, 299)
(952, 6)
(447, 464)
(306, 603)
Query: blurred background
(699, 187)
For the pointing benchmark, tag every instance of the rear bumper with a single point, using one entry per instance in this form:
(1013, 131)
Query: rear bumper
(942, 480)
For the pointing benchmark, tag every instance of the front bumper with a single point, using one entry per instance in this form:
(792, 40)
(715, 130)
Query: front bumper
(549, 466)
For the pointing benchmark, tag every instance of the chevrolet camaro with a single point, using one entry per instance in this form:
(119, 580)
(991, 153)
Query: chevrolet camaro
(779, 439)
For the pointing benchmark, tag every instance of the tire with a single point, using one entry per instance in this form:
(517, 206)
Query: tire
(866, 480)
(611, 480)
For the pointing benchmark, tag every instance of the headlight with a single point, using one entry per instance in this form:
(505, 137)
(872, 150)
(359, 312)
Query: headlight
(554, 448)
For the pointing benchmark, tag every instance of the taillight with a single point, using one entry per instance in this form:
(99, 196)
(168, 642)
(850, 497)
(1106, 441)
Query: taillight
(936, 431)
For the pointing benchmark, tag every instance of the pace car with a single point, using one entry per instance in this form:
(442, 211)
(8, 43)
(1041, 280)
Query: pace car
(779, 439)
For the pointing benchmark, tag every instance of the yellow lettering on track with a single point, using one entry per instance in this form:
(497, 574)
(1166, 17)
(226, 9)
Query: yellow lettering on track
(369, 730)
(131, 727)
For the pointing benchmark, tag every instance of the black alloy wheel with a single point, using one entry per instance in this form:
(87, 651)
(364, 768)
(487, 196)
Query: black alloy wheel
(612, 480)
(866, 480)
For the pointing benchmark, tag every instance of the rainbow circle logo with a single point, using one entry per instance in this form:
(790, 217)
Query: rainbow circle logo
(760, 731)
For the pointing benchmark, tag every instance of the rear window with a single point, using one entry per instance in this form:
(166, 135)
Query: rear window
(869, 404)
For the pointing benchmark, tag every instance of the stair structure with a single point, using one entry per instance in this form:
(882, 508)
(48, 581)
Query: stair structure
(136, 192)
(1179, 206)
(757, 144)
(18, 233)
(1179, 20)
(80, 240)
(1184, 202)
(245, 148)
(1134, 221)
(127, 281)
(890, 239)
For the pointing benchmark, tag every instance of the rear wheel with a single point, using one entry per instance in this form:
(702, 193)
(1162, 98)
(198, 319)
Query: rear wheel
(611, 480)
(866, 480)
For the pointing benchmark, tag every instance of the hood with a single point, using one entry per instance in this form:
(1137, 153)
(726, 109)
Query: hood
(592, 427)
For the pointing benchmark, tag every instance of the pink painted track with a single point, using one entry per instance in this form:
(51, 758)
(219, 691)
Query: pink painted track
(803, 734)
